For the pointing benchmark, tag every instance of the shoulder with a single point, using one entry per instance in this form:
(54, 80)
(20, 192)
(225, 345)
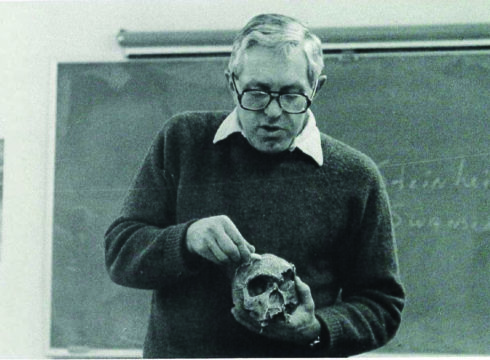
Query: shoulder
(349, 161)
(195, 122)
(185, 136)
(191, 127)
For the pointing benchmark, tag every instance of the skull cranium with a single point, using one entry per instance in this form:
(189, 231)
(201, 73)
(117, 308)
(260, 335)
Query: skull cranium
(266, 289)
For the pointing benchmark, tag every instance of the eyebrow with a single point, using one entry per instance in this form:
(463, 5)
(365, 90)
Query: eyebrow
(265, 86)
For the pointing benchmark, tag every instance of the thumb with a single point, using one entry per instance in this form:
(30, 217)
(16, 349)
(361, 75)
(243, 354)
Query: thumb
(304, 293)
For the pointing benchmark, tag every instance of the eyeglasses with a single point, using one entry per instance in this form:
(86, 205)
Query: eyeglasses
(256, 100)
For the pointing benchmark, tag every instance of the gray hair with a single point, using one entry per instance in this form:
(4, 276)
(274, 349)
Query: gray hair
(281, 33)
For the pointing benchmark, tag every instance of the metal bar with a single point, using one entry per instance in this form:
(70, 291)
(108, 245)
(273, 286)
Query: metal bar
(327, 35)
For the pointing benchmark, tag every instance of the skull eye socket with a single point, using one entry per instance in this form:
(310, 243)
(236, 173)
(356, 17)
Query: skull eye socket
(288, 277)
(260, 285)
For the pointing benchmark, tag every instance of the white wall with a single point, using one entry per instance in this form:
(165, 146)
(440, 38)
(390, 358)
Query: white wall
(33, 35)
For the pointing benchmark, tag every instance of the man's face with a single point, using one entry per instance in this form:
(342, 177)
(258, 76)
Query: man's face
(272, 130)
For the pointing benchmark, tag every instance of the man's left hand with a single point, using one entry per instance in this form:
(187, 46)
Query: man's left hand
(302, 326)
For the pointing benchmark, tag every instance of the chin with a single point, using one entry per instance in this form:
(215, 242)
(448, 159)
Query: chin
(271, 148)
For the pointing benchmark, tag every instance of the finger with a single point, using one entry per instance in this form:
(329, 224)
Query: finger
(304, 294)
(244, 247)
(228, 247)
(215, 251)
(208, 255)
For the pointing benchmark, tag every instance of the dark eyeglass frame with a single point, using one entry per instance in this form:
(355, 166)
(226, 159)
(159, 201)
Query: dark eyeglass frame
(272, 95)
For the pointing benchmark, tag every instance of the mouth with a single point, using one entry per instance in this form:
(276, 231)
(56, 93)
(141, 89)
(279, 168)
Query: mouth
(270, 129)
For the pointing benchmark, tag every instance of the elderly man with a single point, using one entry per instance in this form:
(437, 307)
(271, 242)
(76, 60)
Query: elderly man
(216, 189)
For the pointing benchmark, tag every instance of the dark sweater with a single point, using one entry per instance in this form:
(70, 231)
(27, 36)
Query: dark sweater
(332, 221)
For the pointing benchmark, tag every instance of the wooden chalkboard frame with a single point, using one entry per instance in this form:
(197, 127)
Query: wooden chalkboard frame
(455, 38)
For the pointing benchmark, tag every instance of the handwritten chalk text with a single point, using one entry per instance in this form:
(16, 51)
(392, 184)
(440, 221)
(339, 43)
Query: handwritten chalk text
(458, 177)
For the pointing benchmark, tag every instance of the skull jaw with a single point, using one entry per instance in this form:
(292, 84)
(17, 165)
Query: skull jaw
(274, 314)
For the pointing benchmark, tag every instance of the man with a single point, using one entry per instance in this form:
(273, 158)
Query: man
(216, 188)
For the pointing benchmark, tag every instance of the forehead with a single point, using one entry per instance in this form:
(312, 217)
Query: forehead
(274, 67)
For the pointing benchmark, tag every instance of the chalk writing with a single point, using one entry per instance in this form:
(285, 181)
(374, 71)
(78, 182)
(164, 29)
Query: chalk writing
(438, 223)
(439, 195)
(453, 176)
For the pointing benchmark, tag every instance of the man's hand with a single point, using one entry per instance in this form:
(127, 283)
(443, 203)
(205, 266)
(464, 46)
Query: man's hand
(302, 328)
(217, 239)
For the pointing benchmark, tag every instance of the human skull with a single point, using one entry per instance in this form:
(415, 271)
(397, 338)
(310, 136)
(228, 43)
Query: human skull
(266, 289)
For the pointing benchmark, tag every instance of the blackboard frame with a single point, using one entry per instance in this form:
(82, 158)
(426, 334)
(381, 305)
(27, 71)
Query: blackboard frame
(132, 353)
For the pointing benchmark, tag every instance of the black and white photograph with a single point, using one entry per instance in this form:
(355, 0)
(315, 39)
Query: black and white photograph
(230, 179)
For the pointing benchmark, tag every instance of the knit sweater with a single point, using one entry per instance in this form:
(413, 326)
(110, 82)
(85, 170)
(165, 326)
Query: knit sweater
(332, 221)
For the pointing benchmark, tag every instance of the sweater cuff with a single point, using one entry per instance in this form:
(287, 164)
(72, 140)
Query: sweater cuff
(331, 331)
(183, 262)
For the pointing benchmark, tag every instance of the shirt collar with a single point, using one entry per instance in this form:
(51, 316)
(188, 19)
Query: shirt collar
(308, 141)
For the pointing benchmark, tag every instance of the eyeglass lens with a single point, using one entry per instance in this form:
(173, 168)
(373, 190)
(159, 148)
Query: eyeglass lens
(258, 100)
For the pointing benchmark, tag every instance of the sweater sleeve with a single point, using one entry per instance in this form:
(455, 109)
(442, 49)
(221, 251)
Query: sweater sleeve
(368, 313)
(144, 246)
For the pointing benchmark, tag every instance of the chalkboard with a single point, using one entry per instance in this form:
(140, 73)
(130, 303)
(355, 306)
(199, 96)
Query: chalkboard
(423, 117)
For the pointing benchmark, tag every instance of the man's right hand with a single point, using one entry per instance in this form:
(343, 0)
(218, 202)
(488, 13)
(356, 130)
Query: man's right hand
(217, 239)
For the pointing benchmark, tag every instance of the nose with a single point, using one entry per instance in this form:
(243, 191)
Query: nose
(273, 110)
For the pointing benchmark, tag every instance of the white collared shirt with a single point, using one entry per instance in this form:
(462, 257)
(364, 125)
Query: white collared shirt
(308, 140)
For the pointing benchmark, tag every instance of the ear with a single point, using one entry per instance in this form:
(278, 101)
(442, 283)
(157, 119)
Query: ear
(229, 82)
(231, 87)
(322, 79)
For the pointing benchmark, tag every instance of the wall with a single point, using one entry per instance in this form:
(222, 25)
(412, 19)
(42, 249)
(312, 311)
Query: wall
(34, 35)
